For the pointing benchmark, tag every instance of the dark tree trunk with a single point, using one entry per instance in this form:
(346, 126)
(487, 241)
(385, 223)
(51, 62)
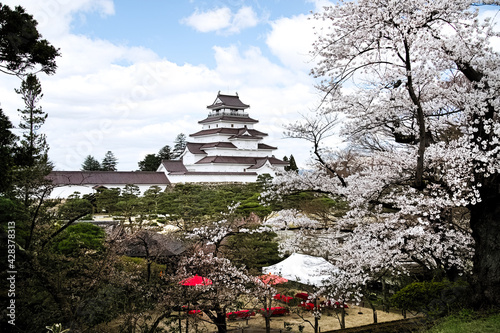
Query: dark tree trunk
(374, 311)
(485, 216)
(485, 225)
(220, 321)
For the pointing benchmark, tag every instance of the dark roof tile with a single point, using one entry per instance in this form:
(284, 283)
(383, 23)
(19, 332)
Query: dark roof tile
(265, 147)
(176, 166)
(224, 117)
(240, 160)
(194, 148)
(228, 131)
(107, 177)
(227, 102)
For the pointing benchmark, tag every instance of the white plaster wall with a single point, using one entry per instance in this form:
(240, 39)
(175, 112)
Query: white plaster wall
(237, 152)
(190, 158)
(211, 178)
(217, 167)
(210, 138)
(232, 124)
(65, 191)
(246, 144)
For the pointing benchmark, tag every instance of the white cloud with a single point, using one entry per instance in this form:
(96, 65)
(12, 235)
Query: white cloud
(213, 20)
(54, 17)
(128, 100)
(222, 20)
(291, 41)
(244, 18)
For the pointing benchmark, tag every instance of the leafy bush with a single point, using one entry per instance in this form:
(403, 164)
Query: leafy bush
(432, 298)
(81, 236)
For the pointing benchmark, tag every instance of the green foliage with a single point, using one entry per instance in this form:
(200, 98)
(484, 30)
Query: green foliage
(74, 207)
(150, 200)
(179, 145)
(130, 191)
(33, 144)
(253, 250)
(91, 164)
(21, 45)
(165, 153)
(292, 164)
(80, 237)
(253, 205)
(264, 181)
(106, 199)
(432, 298)
(467, 322)
(151, 162)
(109, 162)
(103, 306)
(7, 146)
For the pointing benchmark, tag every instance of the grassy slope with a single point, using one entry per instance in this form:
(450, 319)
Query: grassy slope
(458, 324)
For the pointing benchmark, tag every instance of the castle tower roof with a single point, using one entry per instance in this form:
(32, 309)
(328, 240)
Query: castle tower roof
(231, 102)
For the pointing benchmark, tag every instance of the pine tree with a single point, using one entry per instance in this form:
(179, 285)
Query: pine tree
(21, 45)
(179, 145)
(151, 162)
(293, 165)
(7, 146)
(32, 163)
(91, 164)
(33, 145)
(165, 153)
(109, 162)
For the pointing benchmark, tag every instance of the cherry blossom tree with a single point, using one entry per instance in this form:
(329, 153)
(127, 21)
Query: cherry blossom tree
(418, 82)
(229, 283)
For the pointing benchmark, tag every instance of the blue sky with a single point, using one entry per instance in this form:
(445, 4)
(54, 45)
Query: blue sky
(173, 29)
(134, 74)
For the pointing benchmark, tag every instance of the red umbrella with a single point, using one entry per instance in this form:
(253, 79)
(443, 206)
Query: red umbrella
(196, 281)
(272, 279)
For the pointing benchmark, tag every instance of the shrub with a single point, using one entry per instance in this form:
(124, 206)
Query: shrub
(81, 236)
(432, 298)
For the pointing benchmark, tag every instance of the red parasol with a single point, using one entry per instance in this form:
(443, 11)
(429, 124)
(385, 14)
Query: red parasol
(196, 281)
(272, 279)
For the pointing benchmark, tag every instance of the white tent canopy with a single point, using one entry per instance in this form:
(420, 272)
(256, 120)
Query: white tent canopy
(302, 268)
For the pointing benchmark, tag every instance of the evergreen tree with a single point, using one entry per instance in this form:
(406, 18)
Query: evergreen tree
(150, 163)
(91, 164)
(33, 145)
(21, 45)
(32, 164)
(109, 162)
(165, 153)
(293, 165)
(179, 145)
(7, 146)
